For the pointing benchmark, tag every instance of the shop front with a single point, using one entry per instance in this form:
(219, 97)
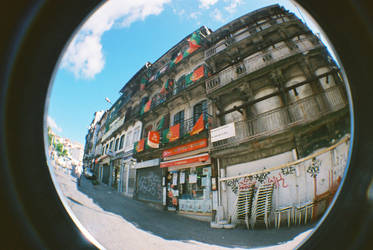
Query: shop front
(149, 181)
(188, 179)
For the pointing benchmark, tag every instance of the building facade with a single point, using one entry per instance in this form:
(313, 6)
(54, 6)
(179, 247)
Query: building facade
(255, 109)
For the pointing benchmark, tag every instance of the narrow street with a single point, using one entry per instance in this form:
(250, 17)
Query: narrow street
(118, 222)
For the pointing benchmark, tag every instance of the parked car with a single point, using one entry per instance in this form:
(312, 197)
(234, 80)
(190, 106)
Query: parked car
(88, 173)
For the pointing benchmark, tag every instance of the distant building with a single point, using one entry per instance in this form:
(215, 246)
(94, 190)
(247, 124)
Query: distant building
(254, 109)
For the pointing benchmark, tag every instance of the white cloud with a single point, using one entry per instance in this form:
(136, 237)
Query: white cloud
(205, 4)
(194, 15)
(52, 123)
(217, 15)
(84, 56)
(232, 7)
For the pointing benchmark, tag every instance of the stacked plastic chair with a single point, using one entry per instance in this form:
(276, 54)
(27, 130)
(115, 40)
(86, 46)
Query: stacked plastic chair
(262, 205)
(307, 210)
(243, 205)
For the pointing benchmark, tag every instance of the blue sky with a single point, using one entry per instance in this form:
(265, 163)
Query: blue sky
(117, 40)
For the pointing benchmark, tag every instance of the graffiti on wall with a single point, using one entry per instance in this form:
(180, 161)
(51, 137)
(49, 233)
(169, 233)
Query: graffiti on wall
(150, 185)
(314, 168)
(288, 170)
(245, 183)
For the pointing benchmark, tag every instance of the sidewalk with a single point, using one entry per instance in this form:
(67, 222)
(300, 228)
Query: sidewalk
(101, 199)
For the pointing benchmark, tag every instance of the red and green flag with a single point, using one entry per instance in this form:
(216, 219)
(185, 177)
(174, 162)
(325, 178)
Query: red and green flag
(167, 86)
(199, 126)
(139, 146)
(147, 105)
(178, 58)
(161, 123)
(143, 82)
(194, 43)
(153, 139)
(198, 73)
(171, 134)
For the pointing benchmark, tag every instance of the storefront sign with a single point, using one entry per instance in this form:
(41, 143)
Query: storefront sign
(146, 164)
(202, 158)
(223, 132)
(185, 148)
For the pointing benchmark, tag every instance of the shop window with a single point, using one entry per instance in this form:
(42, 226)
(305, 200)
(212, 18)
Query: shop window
(191, 184)
(121, 142)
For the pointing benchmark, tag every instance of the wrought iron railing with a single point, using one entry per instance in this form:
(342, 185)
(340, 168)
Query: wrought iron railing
(300, 112)
(253, 63)
(239, 36)
(186, 128)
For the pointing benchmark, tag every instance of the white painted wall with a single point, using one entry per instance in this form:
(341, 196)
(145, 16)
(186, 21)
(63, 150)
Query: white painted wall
(290, 189)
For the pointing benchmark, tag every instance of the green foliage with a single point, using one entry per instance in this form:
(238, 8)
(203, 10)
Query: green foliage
(50, 136)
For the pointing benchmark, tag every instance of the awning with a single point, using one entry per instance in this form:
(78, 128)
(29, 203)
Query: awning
(187, 162)
(146, 164)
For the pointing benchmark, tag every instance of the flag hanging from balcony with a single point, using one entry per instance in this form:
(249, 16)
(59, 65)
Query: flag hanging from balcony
(193, 41)
(171, 134)
(178, 58)
(143, 83)
(167, 86)
(139, 146)
(198, 73)
(160, 124)
(153, 139)
(199, 126)
(147, 105)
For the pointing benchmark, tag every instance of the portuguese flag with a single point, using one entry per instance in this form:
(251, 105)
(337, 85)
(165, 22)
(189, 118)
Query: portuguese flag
(153, 139)
(171, 134)
(178, 58)
(195, 75)
(199, 126)
(198, 73)
(147, 106)
(143, 83)
(161, 123)
(167, 86)
(139, 146)
(194, 40)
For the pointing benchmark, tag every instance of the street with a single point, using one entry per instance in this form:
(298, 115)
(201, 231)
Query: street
(118, 222)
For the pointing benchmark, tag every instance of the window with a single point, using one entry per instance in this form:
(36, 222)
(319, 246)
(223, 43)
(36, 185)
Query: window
(136, 133)
(198, 109)
(128, 139)
(147, 129)
(121, 142)
(111, 144)
(179, 118)
(107, 147)
(116, 144)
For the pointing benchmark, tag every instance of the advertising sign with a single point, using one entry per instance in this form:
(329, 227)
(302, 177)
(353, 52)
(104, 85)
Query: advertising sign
(185, 148)
(223, 132)
(185, 161)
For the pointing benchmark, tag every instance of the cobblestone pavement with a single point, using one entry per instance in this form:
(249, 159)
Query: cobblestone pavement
(118, 222)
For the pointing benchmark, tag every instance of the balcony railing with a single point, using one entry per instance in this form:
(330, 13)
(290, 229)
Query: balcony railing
(253, 63)
(238, 36)
(303, 111)
(185, 128)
